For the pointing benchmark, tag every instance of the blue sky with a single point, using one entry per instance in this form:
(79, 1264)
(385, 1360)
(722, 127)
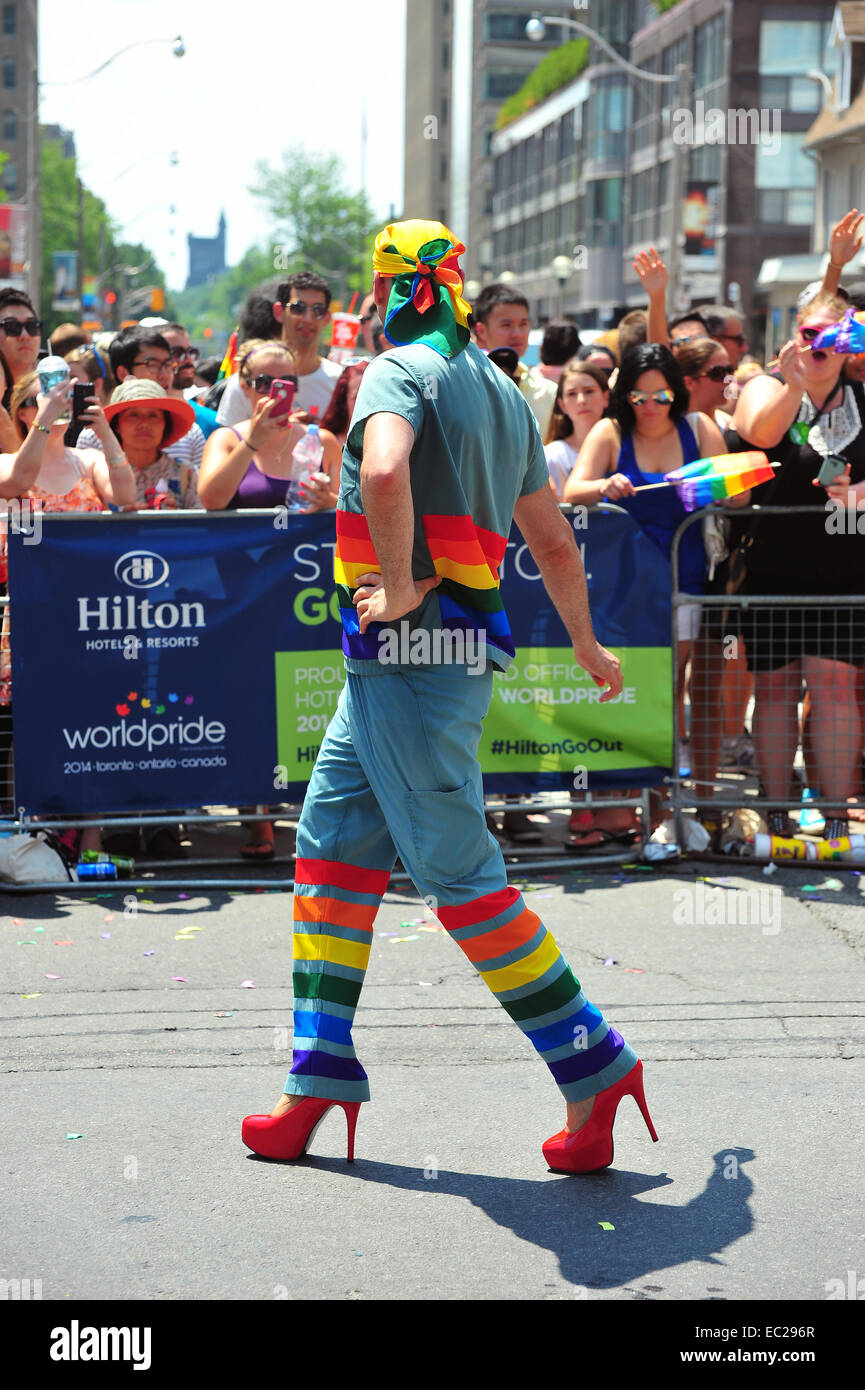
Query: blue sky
(255, 79)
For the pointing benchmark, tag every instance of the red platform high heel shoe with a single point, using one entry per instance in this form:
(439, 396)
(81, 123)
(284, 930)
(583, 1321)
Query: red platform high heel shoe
(591, 1147)
(287, 1136)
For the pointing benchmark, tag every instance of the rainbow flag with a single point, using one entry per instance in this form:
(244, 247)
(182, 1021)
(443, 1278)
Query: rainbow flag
(725, 475)
(848, 335)
(229, 361)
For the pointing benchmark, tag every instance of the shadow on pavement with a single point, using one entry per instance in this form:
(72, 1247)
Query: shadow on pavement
(564, 1214)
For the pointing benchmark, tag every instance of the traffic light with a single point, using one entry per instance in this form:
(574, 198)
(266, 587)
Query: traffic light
(110, 297)
(157, 300)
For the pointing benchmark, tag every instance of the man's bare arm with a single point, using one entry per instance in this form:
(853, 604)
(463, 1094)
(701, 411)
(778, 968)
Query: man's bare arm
(551, 542)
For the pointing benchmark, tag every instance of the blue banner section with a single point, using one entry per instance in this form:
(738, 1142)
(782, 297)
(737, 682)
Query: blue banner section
(628, 578)
(176, 661)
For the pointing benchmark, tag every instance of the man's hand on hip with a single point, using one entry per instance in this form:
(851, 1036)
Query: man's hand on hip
(375, 604)
(604, 669)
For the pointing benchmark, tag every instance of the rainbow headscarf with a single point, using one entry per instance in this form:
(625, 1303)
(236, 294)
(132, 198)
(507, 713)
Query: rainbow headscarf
(426, 303)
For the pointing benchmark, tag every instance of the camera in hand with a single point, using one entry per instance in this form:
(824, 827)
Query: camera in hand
(506, 359)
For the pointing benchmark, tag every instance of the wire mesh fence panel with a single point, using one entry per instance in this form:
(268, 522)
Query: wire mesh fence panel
(770, 701)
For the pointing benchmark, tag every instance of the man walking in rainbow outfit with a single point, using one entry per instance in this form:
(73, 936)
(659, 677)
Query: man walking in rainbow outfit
(442, 453)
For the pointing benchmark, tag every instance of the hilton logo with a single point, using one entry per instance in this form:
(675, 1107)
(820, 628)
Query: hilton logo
(141, 569)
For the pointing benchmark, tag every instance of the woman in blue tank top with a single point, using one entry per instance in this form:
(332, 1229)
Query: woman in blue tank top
(649, 434)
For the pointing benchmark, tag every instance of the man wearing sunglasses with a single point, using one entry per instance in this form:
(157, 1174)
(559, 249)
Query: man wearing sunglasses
(20, 337)
(302, 310)
(184, 358)
(725, 327)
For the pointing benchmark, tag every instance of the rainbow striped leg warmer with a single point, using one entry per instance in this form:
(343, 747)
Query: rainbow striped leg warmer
(518, 959)
(334, 910)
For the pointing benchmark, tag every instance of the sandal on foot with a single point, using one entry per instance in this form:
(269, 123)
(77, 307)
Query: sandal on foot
(577, 842)
(258, 849)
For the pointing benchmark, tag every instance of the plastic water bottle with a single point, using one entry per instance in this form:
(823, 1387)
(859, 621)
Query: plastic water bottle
(306, 457)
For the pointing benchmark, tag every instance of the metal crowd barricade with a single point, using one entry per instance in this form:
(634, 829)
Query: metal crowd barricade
(718, 692)
(15, 819)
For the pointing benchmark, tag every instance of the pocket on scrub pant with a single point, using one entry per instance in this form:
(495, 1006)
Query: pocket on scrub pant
(448, 833)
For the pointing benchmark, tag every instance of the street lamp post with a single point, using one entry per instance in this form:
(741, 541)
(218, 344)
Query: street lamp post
(177, 47)
(536, 31)
(562, 267)
(34, 191)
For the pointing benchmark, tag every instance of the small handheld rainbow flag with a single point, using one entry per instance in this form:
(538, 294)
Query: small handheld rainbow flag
(713, 479)
(847, 335)
(229, 361)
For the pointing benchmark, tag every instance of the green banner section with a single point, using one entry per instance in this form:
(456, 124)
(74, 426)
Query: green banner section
(545, 714)
(307, 691)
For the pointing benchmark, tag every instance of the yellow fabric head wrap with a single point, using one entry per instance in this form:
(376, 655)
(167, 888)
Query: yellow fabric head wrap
(425, 303)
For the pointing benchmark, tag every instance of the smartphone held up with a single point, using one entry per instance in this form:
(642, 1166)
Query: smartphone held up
(283, 393)
(82, 399)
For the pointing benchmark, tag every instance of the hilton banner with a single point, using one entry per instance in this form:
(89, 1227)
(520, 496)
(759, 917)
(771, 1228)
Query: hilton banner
(181, 660)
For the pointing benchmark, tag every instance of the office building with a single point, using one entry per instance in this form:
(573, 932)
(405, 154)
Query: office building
(711, 159)
(463, 59)
(19, 177)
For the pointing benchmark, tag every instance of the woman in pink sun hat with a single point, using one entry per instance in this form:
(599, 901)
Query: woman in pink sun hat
(146, 421)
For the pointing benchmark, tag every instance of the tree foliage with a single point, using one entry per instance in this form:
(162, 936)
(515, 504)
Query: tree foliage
(60, 232)
(317, 224)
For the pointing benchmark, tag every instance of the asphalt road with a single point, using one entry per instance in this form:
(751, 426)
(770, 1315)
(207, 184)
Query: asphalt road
(745, 1001)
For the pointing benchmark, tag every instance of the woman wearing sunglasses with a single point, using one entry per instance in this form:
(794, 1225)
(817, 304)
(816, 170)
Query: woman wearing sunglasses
(708, 376)
(20, 336)
(801, 414)
(649, 434)
(713, 390)
(249, 464)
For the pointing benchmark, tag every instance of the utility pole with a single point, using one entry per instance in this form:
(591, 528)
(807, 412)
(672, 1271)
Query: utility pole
(680, 159)
(79, 288)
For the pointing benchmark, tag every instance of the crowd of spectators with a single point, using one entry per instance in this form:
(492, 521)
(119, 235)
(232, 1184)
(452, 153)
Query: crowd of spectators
(165, 429)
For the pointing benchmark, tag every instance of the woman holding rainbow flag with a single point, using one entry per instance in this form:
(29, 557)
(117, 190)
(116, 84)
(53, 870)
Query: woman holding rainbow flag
(626, 459)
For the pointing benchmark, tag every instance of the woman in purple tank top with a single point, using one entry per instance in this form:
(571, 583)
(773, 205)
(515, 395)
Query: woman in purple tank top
(249, 464)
